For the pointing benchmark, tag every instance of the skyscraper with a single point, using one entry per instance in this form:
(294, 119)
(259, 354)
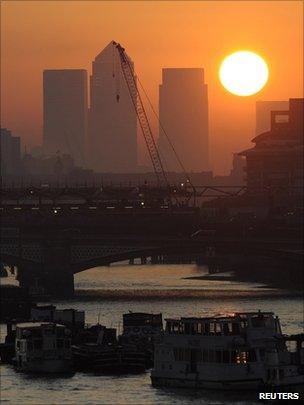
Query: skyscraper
(112, 118)
(183, 112)
(263, 114)
(10, 154)
(65, 108)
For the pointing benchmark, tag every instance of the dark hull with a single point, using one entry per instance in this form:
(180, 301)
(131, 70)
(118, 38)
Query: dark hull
(115, 361)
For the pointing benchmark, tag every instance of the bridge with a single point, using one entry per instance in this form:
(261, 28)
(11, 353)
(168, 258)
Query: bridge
(50, 236)
(50, 259)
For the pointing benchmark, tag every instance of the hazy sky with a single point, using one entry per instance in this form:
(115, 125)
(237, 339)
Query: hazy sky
(69, 34)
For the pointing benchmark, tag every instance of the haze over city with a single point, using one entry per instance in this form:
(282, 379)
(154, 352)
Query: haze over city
(156, 35)
(151, 202)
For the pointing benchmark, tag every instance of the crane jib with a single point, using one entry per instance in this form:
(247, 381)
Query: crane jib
(130, 79)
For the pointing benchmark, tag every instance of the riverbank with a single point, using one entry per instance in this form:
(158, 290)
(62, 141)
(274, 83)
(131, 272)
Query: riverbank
(169, 294)
(270, 278)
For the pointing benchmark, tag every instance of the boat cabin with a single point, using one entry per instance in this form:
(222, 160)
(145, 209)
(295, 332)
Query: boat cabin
(230, 325)
(38, 337)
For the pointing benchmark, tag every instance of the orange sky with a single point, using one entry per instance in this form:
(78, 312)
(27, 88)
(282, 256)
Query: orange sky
(69, 34)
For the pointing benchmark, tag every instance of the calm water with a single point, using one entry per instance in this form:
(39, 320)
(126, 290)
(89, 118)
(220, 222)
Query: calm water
(85, 388)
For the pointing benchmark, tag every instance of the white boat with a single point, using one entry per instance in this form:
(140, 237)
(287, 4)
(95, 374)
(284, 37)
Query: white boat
(43, 347)
(228, 352)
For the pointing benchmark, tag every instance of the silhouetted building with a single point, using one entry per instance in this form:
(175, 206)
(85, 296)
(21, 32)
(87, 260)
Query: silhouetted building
(112, 118)
(10, 153)
(65, 112)
(263, 111)
(277, 157)
(183, 111)
(237, 172)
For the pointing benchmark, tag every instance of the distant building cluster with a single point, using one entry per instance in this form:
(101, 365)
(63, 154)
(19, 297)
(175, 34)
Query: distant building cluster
(94, 134)
(99, 130)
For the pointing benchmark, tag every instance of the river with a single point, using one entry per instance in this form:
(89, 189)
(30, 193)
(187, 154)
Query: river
(106, 293)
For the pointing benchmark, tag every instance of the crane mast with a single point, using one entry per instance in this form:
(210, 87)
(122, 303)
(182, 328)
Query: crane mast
(130, 79)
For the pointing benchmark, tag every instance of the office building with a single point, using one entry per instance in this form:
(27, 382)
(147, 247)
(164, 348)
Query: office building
(10, 154)
(263, 113)
(277, 157)
(112, 117)
(183, 112)
(65, 113)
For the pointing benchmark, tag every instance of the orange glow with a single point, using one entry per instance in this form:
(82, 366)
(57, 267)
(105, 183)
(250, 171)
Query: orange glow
(69, 34)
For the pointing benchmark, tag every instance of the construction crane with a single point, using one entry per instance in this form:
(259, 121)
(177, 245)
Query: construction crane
(130, 78)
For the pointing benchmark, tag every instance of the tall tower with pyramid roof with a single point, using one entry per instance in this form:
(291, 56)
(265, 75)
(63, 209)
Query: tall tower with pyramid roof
(112, 143)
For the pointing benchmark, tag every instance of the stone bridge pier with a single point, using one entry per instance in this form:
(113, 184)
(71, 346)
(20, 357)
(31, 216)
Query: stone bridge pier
(46, 281)
(53, 277)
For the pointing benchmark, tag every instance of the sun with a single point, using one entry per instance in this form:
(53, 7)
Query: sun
(243, 73)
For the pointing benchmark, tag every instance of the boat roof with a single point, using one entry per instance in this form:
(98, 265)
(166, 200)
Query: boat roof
(219, 317)
(33, 325)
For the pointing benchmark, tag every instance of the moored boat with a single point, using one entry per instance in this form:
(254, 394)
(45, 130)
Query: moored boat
(228, 352)
(142, 330)
(99, 351)
(43, 347)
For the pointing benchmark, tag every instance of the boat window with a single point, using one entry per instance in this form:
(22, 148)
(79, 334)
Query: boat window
(234, 356)
(292, 346)
(212, 328)
(187, 328)
(262, 354)
(258, 321)
(199, 328)
(243, 357)
(235, 328)
(175, 327)
(218, 330)
(226, 356)
(227, 328)
(251, 356)
(193, 328)
(38, 343)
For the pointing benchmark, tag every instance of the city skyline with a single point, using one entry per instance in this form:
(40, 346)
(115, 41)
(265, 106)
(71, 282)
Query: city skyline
(232, 119)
